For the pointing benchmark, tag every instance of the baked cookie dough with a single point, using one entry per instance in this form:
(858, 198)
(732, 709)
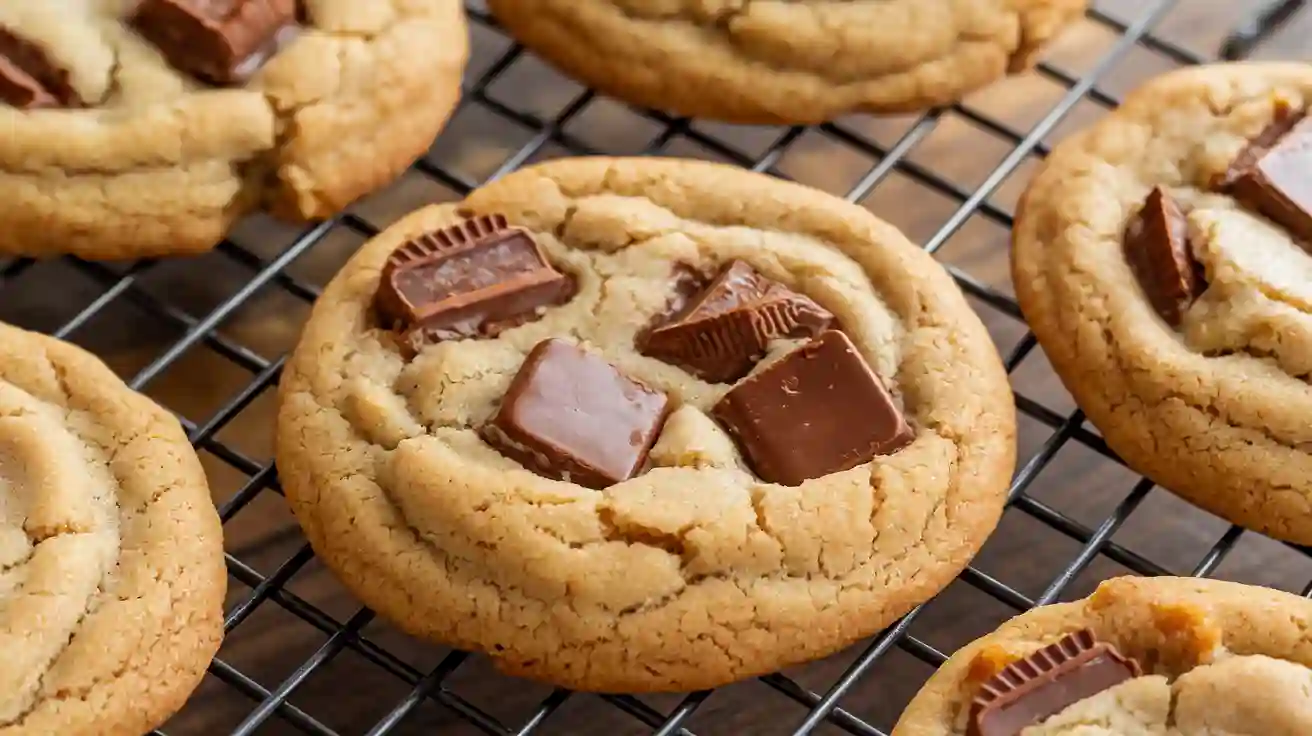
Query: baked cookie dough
(1163, 268)
(429, 472)
(787, 61)
(111, 556)
(1139, 657)
(148, 127)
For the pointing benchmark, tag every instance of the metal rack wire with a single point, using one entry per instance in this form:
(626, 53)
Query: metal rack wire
(270, 707)
(1259, 27)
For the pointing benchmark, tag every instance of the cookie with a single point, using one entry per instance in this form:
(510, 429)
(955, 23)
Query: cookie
(1166, 275)
(495, 432)
(111, 555)
(1149, 657)
(777, 61)
(148, 127)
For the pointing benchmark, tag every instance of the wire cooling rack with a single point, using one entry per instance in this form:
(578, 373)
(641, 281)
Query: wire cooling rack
(205, 337)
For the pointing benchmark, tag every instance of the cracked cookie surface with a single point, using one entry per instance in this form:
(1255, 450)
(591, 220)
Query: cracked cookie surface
(786, 61)
(695, 572)
(1217, 658)
(1216, 410)
(111, 556)
(159, 163)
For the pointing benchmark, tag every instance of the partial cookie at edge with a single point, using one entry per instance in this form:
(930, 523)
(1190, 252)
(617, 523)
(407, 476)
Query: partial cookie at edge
(773, 62)
(1229, 433)
(133, 662)
(1138, 615)
(304, 143)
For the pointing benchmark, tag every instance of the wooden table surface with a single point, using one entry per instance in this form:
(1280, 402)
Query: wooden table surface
(350, 693)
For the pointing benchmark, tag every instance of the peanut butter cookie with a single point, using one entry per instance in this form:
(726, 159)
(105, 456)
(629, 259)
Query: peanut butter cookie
(148, 127)
(787, 61)
(111, 555)
(1140, 657)
(644, 424)
(1161, 258)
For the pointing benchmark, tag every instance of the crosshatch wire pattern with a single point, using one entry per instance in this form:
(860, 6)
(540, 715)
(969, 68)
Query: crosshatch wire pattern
(819, 708)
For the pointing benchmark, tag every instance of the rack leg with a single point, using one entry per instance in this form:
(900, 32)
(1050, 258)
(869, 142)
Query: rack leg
(1258, 28)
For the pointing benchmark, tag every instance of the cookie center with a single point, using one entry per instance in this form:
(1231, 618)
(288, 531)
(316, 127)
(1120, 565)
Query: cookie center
(1231, 266)
(642, 352)
(1259, 295)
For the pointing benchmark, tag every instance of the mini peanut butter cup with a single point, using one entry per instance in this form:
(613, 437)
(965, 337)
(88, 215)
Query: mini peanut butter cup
(721, 333)
(1046, 682)
(473, 279)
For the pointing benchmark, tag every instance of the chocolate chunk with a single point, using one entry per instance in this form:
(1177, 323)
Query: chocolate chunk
(29, 78)
(1272, 174)
(1159, 253)
(220, 41)
(818, 410)
(722, 333)
(1043, 684)
(572, 416)
(1283, 120)
(473, 279)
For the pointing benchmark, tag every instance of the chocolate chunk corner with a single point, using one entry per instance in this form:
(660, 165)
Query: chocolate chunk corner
(1284, 117)
(1272, 175)
(473, 279)
(223, 42)
(818, 410)
(572, 416)
(29, 78)
(1046, 682)
(1159, 253)
(721, 333)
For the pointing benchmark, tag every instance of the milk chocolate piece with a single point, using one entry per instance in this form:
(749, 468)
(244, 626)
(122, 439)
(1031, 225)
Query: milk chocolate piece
(1045, 683)
(572, 416)
(1283, 119)
(223, 42)
(472, 279)
(1159, 253)
(1272, 174)
(29, 78)
(818, 410)
(724, 331)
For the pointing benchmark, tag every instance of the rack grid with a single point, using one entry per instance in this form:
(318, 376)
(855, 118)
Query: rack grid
(428, 701)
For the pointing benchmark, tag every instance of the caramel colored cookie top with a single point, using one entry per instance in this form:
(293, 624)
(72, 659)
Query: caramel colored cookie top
(787, 60)
(1162, 261)
(462, 492)
(111, 555)
(1203, 658)
(113, 109)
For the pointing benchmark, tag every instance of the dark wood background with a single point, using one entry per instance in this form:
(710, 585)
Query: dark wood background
(350, 694)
